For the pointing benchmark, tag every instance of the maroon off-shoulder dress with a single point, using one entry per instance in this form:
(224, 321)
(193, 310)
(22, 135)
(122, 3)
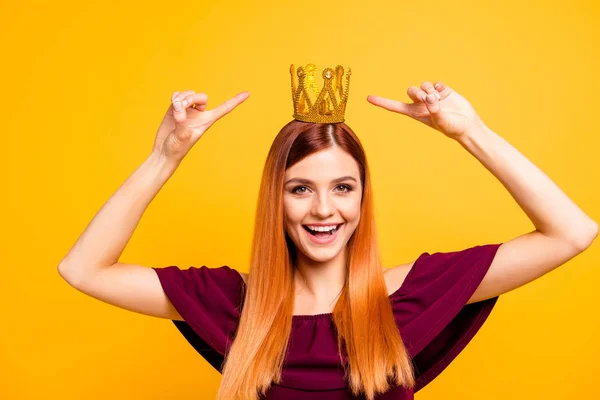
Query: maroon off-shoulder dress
(430, 309)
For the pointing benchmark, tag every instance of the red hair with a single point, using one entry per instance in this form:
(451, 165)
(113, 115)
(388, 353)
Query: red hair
(375, 351)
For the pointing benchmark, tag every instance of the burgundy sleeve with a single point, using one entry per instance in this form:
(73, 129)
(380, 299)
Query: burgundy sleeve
(431, 310)
(209, 301)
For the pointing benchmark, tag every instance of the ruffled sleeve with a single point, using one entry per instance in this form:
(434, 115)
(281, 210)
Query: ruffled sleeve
(431, 309)
(209, 300)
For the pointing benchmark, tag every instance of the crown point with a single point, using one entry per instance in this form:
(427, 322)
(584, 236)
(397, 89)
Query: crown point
(329, 106)
(327, 73)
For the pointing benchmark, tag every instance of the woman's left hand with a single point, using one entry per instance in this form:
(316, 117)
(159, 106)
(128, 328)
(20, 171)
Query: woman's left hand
(439, 107)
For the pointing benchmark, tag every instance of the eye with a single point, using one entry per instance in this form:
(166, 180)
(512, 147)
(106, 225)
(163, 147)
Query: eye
(303, 189)
(295, 190)
(345, 188)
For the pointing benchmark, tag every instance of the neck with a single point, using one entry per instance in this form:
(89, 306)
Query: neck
(320, 280)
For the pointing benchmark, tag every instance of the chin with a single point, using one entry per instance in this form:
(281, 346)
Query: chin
(323, 255)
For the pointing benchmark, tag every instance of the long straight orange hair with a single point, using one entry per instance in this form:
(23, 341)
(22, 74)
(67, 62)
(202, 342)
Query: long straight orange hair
(375, 351)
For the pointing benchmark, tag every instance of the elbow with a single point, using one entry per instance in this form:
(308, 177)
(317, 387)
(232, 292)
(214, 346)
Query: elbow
(62, 271)
(67, 274)
(587, 237)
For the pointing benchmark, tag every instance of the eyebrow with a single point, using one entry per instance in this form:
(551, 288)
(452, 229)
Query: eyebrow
(309, 182)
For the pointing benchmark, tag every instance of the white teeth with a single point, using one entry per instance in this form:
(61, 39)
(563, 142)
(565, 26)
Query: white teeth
(321, 228)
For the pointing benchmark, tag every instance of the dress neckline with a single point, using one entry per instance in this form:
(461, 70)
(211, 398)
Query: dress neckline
(300, 317)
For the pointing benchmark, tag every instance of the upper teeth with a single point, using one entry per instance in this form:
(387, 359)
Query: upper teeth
(321, 228)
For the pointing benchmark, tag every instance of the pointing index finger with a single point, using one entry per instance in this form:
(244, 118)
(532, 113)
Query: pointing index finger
(388, 104)
(230, 104)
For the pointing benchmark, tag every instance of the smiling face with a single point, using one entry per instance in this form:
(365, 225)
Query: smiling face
(323, 189)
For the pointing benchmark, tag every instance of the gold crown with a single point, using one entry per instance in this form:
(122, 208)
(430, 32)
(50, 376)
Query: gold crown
(330, 104)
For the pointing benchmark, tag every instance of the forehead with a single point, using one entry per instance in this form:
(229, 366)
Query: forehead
(324, 165)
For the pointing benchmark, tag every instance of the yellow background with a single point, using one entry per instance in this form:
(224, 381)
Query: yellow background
(86, 84)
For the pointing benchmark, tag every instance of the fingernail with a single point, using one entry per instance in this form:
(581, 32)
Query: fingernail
(185, 103)
(437, 85)
(438, 95)
(423, 97)
(177, 106)
(430, 98)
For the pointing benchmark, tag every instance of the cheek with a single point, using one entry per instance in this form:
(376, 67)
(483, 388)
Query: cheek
(293, 211)
(350, 210)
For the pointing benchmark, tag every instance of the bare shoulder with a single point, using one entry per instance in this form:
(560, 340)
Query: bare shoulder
(243, 275)
(394, 276)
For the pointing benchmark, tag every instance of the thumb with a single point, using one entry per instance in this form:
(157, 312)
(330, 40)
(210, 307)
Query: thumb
(433, 105)
(181, 130)
(179, 112)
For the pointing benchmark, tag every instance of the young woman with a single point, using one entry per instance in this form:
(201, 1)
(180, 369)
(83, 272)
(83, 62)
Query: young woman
(318, 317)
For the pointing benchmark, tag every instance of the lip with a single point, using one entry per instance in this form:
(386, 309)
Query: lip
(326, 240)
(321, 224)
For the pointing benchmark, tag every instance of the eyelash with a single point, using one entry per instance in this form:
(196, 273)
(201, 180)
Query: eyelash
(348, 189)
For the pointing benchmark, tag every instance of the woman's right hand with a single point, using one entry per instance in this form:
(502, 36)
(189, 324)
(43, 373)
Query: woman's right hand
(183, 124)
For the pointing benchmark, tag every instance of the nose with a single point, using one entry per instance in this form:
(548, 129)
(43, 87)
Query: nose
(323, 206)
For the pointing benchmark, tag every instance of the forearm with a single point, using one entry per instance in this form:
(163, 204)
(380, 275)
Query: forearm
(105, 237)
(550, 210)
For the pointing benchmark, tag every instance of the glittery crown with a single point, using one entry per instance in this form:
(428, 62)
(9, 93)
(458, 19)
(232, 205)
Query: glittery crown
(330, 103)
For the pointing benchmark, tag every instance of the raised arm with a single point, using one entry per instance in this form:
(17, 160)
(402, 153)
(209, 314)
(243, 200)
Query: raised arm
(562, 229)
(92, 266)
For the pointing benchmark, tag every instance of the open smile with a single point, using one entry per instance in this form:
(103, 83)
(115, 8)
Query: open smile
(322, 235)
